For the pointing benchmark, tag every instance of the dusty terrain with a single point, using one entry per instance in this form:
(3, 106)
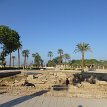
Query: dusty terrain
(54, 83)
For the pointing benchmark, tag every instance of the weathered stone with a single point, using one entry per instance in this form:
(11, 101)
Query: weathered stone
(101, 82)
(16, 81)
(30, 77)
(85, 84)
(55, 74)
(61, 75)
(51, 73)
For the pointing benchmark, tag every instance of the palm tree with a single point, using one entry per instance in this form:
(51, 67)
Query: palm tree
(60, 52)
(82, 47)
(50, 54)
(33, 55)
(37, 60)
(25, 54)
(18, 50)
(13, 58)
(66, 57)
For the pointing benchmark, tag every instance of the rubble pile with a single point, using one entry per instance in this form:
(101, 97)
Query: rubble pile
(79, 86)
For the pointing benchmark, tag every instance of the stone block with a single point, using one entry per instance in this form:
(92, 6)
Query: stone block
(30, 77)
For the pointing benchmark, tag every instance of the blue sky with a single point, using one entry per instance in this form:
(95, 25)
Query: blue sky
(47, 25)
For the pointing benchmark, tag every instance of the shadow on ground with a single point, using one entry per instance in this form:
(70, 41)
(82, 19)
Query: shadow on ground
(2, 92)
(59, 87)
(9, 73)
(22, 99)
(80, 106)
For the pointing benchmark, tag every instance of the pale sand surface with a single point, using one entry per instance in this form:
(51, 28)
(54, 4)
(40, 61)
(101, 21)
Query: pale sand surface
(49, 101)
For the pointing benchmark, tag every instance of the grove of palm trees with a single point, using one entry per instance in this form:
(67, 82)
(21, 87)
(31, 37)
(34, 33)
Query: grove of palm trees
(10, 42)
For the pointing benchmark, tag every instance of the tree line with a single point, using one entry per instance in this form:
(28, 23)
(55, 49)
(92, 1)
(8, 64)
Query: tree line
(80, 47)
(10, 41)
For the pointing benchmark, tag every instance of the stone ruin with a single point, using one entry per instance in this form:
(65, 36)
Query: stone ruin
(79, 83)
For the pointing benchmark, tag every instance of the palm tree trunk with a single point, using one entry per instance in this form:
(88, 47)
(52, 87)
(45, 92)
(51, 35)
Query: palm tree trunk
(13, 62)
(34, 60)
(83, 61)
(10, 59)
(60, 58)
(24, 62)
(18, 57)
(65, 62)
(3, 57)
(27, 62)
